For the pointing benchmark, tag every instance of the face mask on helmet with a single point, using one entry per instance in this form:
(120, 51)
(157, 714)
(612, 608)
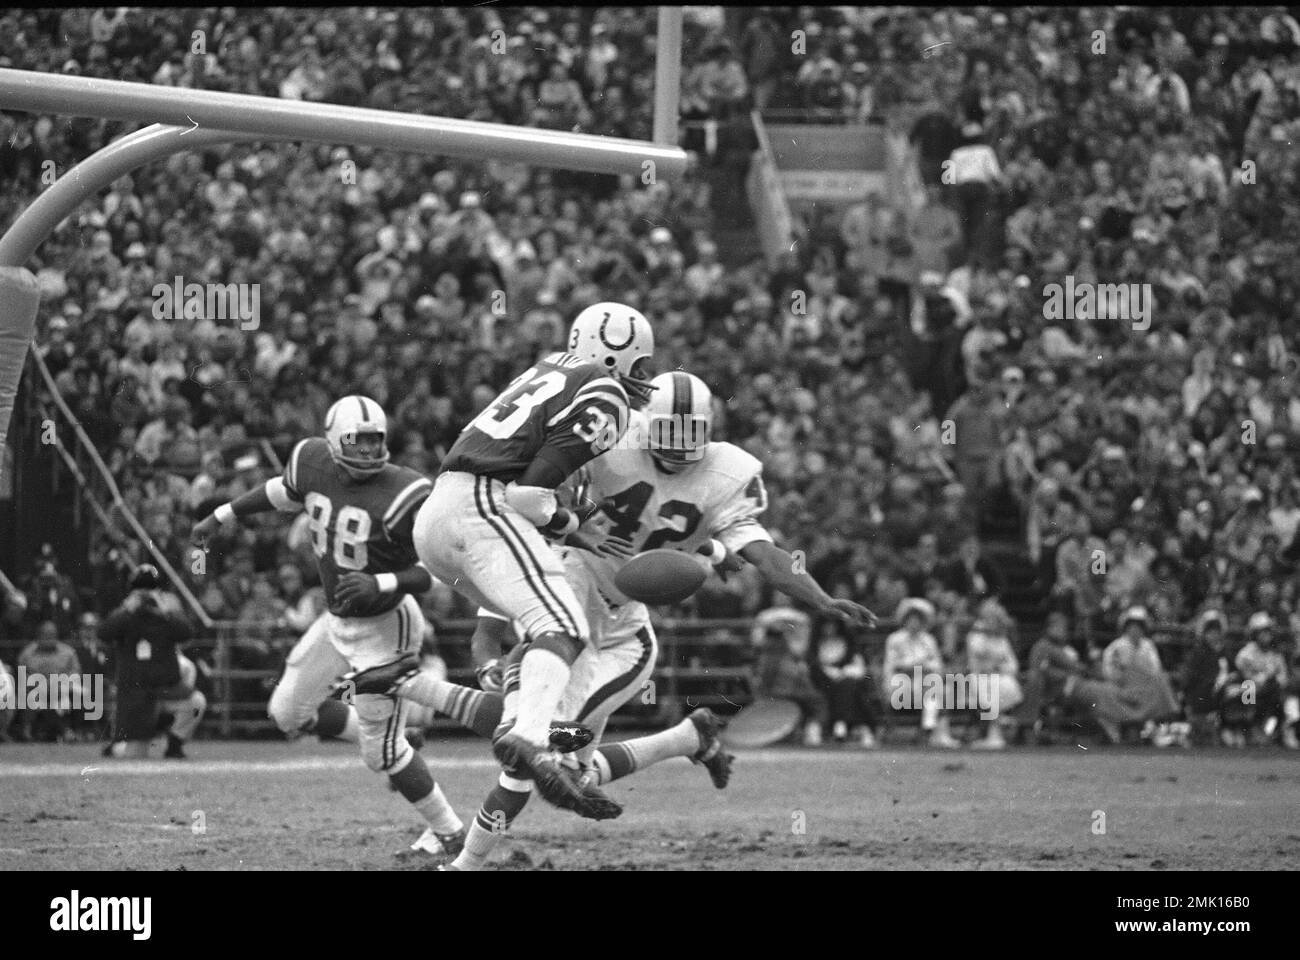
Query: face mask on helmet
(363, 454)
(357, 430)
(679, 420)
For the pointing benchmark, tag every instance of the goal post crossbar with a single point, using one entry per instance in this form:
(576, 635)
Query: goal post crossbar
(272, 118)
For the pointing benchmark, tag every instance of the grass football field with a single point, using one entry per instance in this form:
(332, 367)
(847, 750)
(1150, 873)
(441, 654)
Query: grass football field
(273, 805)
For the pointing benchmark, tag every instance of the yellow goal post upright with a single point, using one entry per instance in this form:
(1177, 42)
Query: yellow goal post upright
(188, 119)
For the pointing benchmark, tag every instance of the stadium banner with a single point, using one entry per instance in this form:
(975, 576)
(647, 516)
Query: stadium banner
(824, 164)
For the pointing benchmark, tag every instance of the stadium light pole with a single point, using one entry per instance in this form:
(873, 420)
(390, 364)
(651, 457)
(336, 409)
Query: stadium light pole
(668, 76)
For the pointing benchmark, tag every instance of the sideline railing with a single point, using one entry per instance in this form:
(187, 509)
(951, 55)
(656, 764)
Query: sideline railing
(88, 448)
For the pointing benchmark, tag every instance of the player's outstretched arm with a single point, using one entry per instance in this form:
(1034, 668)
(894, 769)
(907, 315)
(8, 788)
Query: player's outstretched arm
(778, 568)
(272, 495)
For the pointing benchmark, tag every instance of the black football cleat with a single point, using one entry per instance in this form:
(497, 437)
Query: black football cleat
(711, 755)
(383, 680)
(557, 785)
(175, 748)
(570, 736)
(452, 843)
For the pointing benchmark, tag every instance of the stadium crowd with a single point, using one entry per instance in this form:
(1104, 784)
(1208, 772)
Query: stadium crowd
(1151, 471)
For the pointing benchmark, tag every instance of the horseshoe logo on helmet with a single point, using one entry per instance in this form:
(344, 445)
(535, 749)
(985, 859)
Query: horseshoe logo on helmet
(631, 333)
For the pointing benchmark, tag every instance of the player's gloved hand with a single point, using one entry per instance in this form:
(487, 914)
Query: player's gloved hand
(491, 678)
(356, 588)
(854, 614)
(204, 530)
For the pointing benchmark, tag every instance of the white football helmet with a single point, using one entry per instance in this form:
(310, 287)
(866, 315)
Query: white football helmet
(347, 421)
(679, 420)
(617, 338)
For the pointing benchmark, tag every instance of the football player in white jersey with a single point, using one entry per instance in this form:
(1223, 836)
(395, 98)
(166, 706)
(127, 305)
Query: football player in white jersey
(666, 484)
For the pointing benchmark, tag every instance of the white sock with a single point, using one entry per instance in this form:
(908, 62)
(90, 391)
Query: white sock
(437, 812)
(351, 731)
(682, 740)
(428, 691)
(543, 676)
(479, 844)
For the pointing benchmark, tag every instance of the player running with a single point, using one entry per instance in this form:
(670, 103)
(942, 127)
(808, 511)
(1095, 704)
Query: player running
(666, 485)
(361, 509)
(482, 529)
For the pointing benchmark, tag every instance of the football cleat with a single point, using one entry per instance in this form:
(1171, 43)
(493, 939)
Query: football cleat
(679, 420)
(569, 736)
(711, 754)
(175, 748)
(557, 785)
(346, 423)
(384, 679)
(440, 844)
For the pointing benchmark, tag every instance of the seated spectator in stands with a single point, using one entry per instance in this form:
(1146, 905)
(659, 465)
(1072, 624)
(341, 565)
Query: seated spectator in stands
(1204, 677)
(911, 652)
(51, 595)
(95, 659)
(1059, 679)
(1132, 664)
(989, 654)
(1260, 662)
(969, 573)
(302, 604)
(853, 700)
(56, 661)
(783, 672)
(263, 613)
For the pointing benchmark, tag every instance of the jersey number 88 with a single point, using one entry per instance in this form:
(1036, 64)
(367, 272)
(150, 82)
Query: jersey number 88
(351, 531)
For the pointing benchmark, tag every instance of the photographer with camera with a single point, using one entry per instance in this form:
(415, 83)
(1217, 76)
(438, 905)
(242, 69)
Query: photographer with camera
(146, 633)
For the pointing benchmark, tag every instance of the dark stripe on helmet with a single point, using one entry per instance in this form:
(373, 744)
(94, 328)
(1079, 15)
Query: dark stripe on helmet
(365, 413)
(681, 396)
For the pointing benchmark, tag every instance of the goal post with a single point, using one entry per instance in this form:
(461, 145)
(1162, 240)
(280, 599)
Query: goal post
(185, 118)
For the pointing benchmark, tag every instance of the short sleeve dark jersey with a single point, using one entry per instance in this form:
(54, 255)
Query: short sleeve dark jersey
(563, 409)
(355, 525)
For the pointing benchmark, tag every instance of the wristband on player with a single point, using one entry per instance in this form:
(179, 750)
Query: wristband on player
(715, 551)
(225, 514)
(563, 523)
(386, 582)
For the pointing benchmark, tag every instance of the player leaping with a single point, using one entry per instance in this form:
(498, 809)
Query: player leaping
(481, 529)
(361, 510)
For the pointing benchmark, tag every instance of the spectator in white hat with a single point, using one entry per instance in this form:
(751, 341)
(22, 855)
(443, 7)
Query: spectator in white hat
(1132, 663)
(912, 654)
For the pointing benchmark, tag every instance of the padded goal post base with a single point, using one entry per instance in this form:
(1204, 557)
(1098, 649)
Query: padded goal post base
(20, 296)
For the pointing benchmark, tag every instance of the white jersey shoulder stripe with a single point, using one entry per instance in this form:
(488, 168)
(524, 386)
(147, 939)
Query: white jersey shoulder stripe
(294, 456)
(405, 500)
(606, 387)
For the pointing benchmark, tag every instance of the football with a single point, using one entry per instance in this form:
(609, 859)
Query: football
(661, 576)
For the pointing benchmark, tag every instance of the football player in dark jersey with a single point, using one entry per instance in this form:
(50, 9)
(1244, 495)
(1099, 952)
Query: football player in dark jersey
(483, 528)
(361, 509)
